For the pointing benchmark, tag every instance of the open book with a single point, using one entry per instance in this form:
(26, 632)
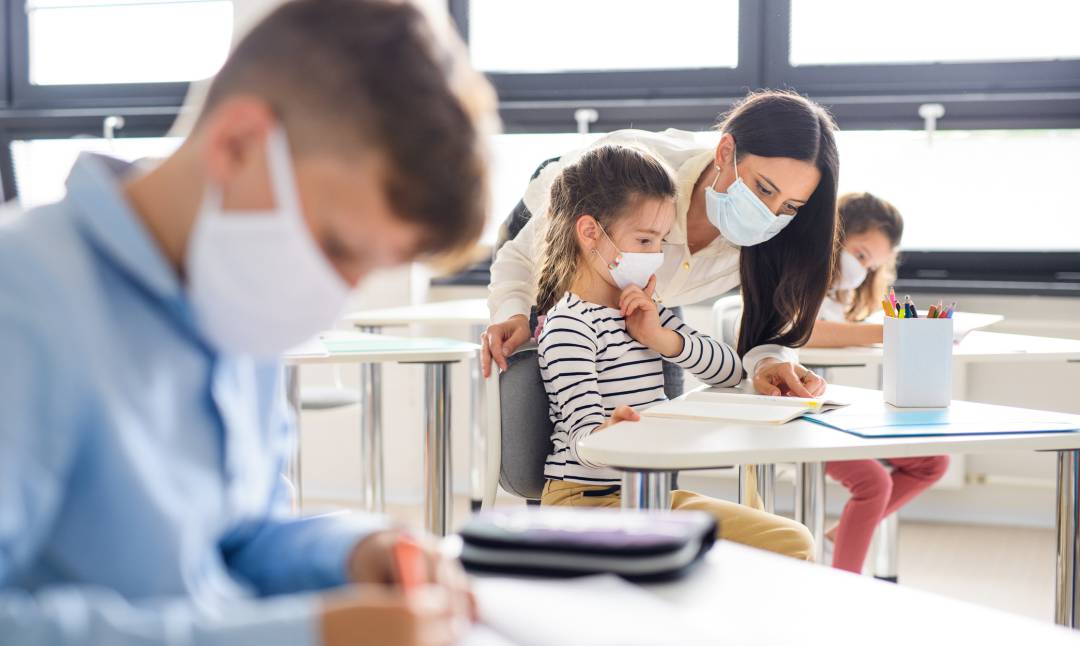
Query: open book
(736, 406)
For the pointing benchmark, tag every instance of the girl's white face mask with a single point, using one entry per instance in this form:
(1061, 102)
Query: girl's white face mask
(631, 268)
(852, 273)
(258, 281)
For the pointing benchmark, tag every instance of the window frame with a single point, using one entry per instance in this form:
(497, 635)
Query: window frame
(628, 84)
(24, 94)
(21, 125)
(908, 78)
(976, 96)
(1043, 94)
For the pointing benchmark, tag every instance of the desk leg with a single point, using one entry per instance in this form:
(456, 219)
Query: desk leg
(1067, 598)
(477, 427)
(437, 467)
(810, 502)
(762, 479)
(371, 433)
(293, 468)
(646, 490)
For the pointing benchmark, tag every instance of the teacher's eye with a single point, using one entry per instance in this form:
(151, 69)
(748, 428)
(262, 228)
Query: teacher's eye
(763, 189)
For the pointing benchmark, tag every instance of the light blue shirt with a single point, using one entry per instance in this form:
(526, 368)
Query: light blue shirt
(140, 495)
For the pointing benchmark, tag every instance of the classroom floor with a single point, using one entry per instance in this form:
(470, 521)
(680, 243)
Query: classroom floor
(1009, 568)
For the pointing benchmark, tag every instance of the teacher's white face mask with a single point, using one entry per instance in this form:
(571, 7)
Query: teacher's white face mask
(258, 281)
(631, 268)
(740, 215)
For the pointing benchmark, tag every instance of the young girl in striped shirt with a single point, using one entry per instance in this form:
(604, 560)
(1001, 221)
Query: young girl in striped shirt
(604, 339)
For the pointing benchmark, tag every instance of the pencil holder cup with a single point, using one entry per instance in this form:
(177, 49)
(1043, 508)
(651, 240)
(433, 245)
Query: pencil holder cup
(918, 362)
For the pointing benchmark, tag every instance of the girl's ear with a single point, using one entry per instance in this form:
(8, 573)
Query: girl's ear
(588, 232)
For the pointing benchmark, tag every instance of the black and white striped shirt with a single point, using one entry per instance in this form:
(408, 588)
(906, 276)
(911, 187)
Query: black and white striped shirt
(590, 365)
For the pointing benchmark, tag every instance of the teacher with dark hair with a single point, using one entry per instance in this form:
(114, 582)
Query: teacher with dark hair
(757, 211)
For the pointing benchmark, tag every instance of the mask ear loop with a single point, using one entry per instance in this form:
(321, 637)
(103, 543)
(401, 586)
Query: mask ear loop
(734, 162)
(618, 254)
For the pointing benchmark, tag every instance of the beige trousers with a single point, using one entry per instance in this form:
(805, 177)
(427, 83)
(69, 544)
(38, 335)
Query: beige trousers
(739, 523)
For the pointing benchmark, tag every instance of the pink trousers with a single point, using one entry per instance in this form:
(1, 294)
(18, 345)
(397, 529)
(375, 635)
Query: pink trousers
(876, 493)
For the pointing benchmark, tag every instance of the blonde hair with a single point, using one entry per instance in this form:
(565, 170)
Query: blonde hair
(859, 213)
(602, 183)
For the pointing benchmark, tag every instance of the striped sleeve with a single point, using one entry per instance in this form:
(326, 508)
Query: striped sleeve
(709, 360)
(568, 349)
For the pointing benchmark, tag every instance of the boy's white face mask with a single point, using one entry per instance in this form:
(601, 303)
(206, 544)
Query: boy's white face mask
(258, 282)
(632, 268)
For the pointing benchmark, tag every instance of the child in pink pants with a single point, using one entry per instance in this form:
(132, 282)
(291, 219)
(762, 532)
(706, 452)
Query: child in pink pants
(876, 493)
(871, 229)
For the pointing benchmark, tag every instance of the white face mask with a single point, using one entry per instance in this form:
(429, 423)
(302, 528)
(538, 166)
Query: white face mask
(258, 282)
(740, 215)
(631, 268)
(852, 273)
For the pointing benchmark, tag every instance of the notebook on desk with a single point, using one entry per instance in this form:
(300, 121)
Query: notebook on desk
(961, 418)
(724, 404)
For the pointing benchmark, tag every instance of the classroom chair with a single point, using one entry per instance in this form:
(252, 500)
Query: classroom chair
(314, 398)
(519, 430)
(727, 311)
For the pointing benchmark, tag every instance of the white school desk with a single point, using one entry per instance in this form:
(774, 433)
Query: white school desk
(368, 350)
(976, 347)
(648, 452)
(739, 595)
(472, 312)
(755, 598)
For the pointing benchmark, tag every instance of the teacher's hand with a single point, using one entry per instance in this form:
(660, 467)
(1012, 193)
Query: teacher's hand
(500, 340)
(787, 379)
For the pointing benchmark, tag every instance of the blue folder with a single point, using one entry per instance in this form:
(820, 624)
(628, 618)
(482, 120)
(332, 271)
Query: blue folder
(962, 418)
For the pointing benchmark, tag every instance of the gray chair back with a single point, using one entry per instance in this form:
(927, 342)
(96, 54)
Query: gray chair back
(526, 426)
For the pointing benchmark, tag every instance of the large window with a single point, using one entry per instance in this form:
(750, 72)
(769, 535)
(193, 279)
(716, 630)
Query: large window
(96, 42)
(989, 190)
(603, 35)
(856, 32)
(965, 114)
(117, 53)
(42, 165)
(614, 49)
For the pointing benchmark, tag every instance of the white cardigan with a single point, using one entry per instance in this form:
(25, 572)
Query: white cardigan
(683, 279)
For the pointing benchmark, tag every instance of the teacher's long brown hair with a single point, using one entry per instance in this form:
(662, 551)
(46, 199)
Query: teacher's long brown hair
(785, 279)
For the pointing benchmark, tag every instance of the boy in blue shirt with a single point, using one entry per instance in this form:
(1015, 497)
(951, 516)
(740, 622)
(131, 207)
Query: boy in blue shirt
(142, 427)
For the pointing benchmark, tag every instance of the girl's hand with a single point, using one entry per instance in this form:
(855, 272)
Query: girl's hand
(788, 379)
(643, 320)
(620, 414)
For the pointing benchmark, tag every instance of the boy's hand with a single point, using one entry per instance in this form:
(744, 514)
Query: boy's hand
(643, 320)
(379, 616)
(372, 562)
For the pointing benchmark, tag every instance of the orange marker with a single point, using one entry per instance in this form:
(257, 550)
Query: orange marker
(410, 562)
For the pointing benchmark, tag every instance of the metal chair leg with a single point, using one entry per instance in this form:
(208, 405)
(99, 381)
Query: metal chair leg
(887, 549)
